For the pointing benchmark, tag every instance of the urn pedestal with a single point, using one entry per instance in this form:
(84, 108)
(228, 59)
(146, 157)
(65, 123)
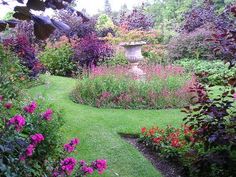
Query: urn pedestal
(134, 56)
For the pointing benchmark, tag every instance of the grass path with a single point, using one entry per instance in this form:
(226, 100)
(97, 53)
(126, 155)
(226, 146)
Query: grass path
(98, 129)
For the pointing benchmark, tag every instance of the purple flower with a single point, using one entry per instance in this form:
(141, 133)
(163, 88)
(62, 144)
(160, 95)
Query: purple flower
(68, 165)
(30, 150)
(100, 165)
(36, 138)
(70, 147)
(31, 107)
(87, 170)
(8, 105)
(18, 121)
(82, 163)
(47, 115)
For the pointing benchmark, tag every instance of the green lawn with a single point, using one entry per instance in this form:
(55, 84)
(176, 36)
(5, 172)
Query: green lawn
(98, 129)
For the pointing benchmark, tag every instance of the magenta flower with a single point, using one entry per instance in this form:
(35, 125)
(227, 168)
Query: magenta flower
(87, 170)
(30, 150)
(18, 121)
(68, 165)
(70, 147)
(47, 115)
(82, 162)
(36, 138)
(31, 107)
(100, 165)
(8, 105)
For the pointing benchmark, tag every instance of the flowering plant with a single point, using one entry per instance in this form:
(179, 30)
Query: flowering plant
(30, 143)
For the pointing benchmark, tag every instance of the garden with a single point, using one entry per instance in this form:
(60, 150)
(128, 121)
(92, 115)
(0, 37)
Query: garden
(143, 90)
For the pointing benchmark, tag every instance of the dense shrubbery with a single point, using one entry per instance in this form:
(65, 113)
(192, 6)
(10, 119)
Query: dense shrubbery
(211, 72)
(165, 87)
(13, 76)
(59, 60)
(30, 143)
(91, 50)
(190, 45)
(22, 47)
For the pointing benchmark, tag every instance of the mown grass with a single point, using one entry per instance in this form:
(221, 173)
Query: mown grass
(98, 129)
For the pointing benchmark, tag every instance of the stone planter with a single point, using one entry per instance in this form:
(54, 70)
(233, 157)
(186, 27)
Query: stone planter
(134, 56)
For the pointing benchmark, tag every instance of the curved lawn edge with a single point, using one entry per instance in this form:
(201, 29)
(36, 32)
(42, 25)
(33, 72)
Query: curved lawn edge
(98, 129)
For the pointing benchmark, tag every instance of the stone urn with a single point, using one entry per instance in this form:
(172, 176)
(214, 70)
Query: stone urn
(134, 56)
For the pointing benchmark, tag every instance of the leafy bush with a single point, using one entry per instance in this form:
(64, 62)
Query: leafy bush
(59, 61)
(13, 75)
(165, 87)
(119, 59)
(22, 47)
(91, 50)
(190, 45)
(211, 72)
(213, 119)
(104, 22)
(30, 143)
(137, 19)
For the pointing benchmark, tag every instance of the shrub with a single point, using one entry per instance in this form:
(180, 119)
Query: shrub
(31, 143)
(119, 59)
(104, 22)
(90, 50)
(190, 45)
(210, 72)
(165, 87)
(29, 137)
(137, 19)
(21, 46)
(213, 119)
(13, 75)
(59, 60)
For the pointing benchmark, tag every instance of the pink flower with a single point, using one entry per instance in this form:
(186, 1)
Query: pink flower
(82, 162)
(18, 121)
(36, 138)
(70, 147)
(87, 170)
(234, 95)
(68, 165)
(47, 115)
(100, 165)
(8, 105)
(31, 107)
(30, 150)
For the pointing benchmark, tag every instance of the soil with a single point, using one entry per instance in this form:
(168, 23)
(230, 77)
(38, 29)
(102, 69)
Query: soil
(167, 168)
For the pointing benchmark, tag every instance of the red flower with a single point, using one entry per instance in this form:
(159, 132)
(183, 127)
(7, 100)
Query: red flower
(157, 140)
(152, 131)
(8, 105)
(143, 130)
(175, 142)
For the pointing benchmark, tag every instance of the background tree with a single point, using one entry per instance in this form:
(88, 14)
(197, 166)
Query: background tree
(107, 8)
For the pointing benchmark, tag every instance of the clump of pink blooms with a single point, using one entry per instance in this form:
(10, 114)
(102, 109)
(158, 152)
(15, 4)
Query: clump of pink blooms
(47, 115)
(18, 122)
(8, 105)
(31, 107)
(100, 165)
(70, 147)
(35, 140)
(68, 165)
(159, 71)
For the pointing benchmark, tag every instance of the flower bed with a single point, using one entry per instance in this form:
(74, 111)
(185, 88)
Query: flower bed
(164, 87)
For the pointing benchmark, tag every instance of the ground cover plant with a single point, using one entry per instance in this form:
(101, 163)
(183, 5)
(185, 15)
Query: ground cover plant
(164, 87)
